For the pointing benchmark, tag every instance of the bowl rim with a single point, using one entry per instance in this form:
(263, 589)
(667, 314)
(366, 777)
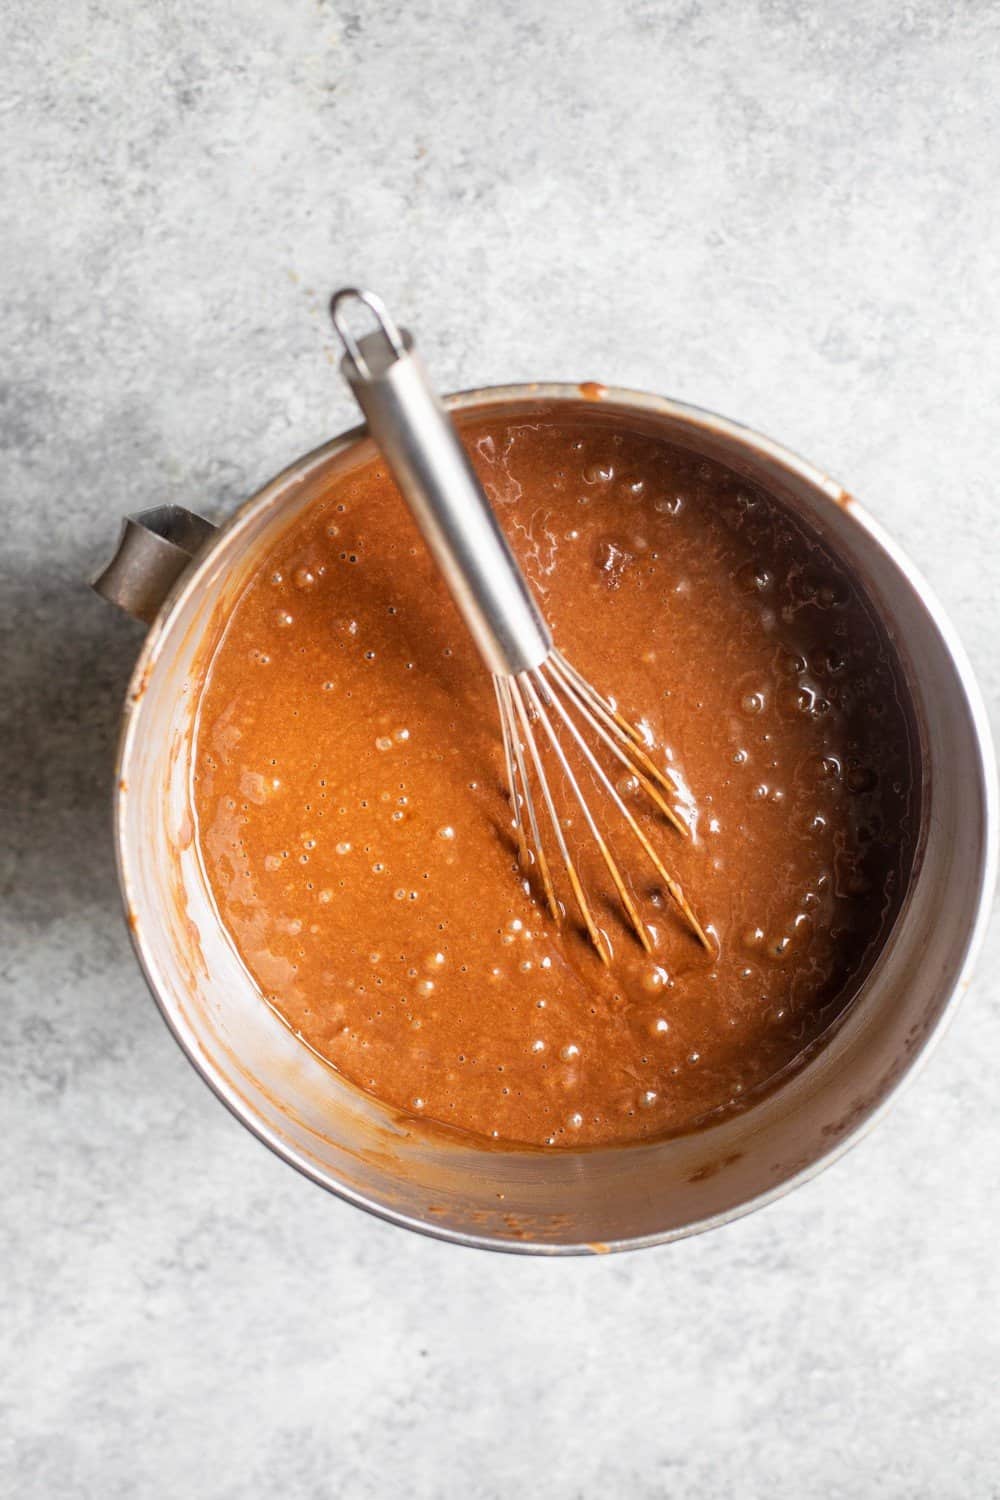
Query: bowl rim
(695, 417)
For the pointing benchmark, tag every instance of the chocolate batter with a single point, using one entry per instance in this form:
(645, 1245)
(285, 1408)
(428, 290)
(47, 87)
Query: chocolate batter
(355, 831)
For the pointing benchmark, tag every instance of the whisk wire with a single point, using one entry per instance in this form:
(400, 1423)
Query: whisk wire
(624, 739)
(532, 681)
(528, 703)
(635, 761)
(517, 773)
(596, 936)
(674, 889)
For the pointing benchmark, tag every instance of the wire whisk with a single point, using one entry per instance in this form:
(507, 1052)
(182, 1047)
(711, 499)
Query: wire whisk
(552, 718)
(529, 703)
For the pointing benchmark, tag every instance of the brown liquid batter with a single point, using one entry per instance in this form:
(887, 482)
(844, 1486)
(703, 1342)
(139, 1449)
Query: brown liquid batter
(353, 823)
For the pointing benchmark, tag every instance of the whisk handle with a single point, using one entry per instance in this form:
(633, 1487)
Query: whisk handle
(419, 442)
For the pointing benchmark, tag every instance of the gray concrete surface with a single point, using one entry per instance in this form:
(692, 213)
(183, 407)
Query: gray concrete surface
(787, 212)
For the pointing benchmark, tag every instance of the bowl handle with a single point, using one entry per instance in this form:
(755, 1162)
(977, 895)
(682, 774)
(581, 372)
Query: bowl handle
(154, 548)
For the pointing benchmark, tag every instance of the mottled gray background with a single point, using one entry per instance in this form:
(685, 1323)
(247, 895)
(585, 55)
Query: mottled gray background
(788, 212)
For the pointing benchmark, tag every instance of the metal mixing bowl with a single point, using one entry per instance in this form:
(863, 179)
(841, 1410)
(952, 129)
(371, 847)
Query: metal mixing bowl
(562, 1201)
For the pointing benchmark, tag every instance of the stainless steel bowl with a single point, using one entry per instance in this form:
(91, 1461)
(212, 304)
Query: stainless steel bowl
(534, 1201)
